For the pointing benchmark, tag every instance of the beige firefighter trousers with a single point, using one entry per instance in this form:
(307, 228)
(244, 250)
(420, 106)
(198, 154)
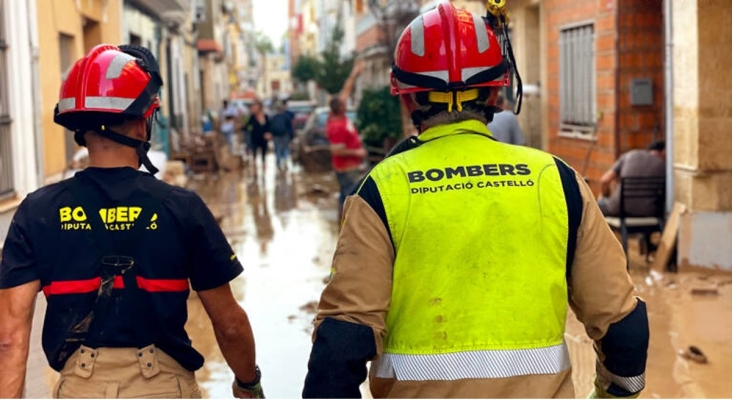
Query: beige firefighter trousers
(111, 373)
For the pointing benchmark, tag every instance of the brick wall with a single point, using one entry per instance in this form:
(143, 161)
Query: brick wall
(368, 38)
(639, 54)
(641, 51)
(561, 13)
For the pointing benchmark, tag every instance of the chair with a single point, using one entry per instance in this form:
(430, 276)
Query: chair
(653, 188)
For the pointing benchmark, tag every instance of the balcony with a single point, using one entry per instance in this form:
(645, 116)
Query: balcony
(168, 11)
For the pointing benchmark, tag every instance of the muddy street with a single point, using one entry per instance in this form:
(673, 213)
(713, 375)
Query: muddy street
(283, 227)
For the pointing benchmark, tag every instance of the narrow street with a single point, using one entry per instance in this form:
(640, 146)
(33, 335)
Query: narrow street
(284, 230)
(284, 235)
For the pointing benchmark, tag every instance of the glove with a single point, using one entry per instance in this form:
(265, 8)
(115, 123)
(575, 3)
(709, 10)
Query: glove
(251, 390)
(599, 393)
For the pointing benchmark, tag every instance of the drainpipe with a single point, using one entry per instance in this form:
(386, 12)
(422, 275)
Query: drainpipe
(36, 87)
(669, 103)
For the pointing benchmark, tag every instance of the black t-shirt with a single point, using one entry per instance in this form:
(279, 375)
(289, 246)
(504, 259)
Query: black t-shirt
(50, 239)
(257, 129)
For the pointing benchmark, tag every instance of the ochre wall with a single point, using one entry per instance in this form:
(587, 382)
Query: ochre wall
(62, 16)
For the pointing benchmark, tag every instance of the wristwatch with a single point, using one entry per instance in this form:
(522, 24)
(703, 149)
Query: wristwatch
(253, 384)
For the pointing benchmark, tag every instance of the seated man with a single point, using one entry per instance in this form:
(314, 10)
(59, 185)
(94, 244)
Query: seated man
(633, 164)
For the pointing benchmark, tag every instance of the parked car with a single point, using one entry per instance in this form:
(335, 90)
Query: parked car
(302, 111)
(310, 146)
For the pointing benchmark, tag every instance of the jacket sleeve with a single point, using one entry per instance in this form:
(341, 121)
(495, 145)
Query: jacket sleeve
(350, 325)
(602, 296)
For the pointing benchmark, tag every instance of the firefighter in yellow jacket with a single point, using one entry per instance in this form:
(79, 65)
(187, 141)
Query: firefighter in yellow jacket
(458, 255)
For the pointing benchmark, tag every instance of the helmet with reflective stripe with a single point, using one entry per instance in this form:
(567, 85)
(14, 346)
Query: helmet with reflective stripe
(107, 87)
(448, 49)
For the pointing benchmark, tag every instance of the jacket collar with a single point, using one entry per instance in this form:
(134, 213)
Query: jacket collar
(471, 126)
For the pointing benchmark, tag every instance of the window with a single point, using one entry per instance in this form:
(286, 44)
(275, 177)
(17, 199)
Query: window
(135, 40)
(6, 154)
(577, 79)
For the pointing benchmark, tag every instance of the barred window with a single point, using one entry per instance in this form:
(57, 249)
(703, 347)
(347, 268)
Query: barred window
(6, 159)
(577, 79)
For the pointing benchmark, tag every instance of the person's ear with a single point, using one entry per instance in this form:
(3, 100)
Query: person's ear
(409, 102)
(492, 97)
(140, 130)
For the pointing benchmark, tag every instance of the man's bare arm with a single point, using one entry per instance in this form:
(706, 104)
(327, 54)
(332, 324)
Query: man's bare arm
(232, 329)
(606, 181)
(340, 150)
(16, 318)
(347, 90)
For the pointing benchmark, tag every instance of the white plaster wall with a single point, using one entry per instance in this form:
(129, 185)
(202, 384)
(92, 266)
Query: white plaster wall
(705, 240)
(20, 92)
(142, 25)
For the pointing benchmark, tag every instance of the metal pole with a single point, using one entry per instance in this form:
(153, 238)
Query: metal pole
(669, 103)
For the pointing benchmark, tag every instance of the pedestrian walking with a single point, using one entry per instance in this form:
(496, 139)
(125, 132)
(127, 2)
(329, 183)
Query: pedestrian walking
(458, 254)
(227, 124)
(282, 133)
(258, 130)
(347, 151)
(115, 251)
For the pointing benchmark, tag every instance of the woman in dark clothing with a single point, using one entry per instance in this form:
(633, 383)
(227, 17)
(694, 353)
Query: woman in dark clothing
(258, 130)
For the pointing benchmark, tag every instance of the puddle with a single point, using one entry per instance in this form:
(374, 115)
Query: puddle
(285, 238)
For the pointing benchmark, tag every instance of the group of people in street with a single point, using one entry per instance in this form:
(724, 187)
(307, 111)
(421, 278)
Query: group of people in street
(457, 260)
(257, 130)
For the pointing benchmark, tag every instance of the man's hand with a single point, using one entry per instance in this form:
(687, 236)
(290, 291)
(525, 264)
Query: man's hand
(250, 392)
(16, 317)
(360, 153)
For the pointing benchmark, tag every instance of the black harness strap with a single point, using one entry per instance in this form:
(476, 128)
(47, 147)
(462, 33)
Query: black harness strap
(117, 258)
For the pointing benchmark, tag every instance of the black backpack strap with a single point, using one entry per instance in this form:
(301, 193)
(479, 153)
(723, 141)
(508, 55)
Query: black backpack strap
(575, 206)
(117, 258)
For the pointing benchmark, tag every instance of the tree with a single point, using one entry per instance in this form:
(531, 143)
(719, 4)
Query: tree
(305, 69)
(379, 116)
(333, 68)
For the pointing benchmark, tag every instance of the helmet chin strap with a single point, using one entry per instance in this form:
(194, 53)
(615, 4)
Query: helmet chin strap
(141, 148)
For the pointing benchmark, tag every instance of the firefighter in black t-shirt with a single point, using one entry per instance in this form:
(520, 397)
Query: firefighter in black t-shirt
(114, 251)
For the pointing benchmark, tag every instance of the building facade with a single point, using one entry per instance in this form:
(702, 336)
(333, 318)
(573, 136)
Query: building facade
(21, 151)
(67, 30)
(162, 27)
(699, 160)
(276, 82)
(213, 70)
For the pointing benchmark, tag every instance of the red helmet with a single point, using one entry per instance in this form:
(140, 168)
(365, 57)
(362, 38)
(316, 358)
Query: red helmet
(107, 87)
(448, 49)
